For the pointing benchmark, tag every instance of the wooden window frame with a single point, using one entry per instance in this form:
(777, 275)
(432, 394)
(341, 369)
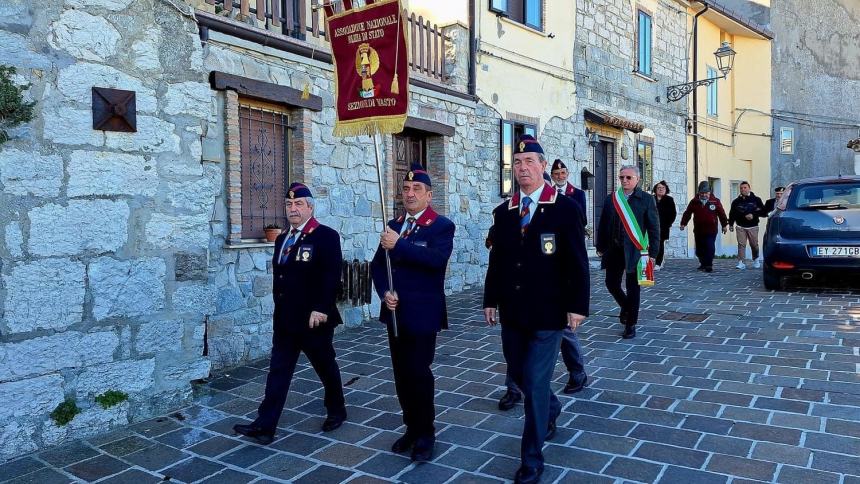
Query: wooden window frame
(646, 164)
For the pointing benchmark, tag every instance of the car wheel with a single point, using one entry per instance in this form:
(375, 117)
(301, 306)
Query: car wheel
(772, 282)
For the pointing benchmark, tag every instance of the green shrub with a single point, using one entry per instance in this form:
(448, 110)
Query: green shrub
(65, 412)
(13, 109)
(110, 398)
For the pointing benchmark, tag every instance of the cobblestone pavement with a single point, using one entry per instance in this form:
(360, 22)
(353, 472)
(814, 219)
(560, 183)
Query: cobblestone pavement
(725, 383)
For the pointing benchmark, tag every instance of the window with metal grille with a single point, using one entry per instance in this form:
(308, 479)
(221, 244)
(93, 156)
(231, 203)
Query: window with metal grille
(264, 142)
(643, 43)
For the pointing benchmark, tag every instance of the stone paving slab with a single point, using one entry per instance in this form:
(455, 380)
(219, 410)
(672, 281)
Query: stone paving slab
(725, 383)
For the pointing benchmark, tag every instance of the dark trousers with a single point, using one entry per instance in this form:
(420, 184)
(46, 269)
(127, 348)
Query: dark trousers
(531, 357)
(317, 345)
(705, 248)
(659, 260)
(616, 268)
(411, 357)
(571, 353)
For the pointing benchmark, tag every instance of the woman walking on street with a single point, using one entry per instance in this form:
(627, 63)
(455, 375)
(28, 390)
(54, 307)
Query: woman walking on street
(667, 212)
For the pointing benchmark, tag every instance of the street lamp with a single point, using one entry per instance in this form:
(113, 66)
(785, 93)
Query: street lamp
(725, 60)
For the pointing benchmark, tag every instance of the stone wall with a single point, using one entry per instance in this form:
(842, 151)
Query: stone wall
(604, 56)
(816, 85)
(105, 235)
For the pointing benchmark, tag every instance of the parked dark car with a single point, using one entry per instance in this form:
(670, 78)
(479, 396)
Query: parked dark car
(814, 233)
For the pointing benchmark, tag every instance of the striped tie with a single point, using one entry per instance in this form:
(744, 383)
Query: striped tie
(525, 215)
(287, 246)
(410, 224)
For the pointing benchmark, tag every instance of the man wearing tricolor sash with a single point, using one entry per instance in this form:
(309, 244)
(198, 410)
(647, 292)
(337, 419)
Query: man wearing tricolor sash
(628, 241)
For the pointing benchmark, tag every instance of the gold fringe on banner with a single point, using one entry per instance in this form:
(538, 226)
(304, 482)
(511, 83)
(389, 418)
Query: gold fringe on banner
(369, 127)
(306, 91)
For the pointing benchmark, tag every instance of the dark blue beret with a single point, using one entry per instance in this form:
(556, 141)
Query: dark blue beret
(527, 144)
(558, 165)
(417, 173)
(298, 190)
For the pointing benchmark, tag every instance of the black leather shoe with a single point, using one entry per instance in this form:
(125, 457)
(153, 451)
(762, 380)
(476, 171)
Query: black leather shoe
(254, 431)
(709, 269)
(332, 422)
(423, 449)
(700, 268)
(629, 332)
(509, 400)
(573, 386)
(528, 475)
(403, 444)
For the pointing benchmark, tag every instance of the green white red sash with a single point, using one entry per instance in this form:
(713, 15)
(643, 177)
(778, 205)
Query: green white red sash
(645, 267)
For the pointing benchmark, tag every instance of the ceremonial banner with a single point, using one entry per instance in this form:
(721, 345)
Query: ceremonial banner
(371, 71)
(645, 267)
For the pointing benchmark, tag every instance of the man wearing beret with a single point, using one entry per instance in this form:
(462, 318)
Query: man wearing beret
(708, 214)
(306, 269)
(564, 187)
(538, 278)
(419, 244)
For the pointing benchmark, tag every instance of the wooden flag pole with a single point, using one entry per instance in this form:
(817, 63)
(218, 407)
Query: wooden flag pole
(384, 225)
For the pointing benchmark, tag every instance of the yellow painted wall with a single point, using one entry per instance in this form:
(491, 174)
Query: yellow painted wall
(523, 71)
(735, 144)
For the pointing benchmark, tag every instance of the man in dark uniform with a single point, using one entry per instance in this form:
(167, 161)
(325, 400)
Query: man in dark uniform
(538, 279)
(306, 269)
(770, 204)
(571, 350)
(619, 256)
(419, 244)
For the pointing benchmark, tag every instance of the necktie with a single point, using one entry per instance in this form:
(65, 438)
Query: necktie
(560, 191)
(287, 245)
(410, 224)
(525, 215)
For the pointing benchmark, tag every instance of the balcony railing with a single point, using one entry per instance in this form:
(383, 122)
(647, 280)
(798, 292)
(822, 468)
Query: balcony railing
(305, 21)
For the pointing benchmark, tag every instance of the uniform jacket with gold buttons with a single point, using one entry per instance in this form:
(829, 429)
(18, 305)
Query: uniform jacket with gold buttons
(536, 278)
(308, 279)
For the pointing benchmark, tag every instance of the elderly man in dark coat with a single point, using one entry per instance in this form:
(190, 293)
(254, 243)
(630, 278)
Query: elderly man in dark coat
(617, 250)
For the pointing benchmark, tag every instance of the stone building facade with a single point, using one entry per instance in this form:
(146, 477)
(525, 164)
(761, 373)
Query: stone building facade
(628, 109)
(816, 82)
(124, 265)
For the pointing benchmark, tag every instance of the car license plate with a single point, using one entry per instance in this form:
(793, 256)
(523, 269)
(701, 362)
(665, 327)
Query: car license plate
(834, 251)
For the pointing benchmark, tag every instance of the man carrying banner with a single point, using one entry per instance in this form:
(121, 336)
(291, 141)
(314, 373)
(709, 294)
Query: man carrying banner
(538, 280)
(419, 244)
(628, 241)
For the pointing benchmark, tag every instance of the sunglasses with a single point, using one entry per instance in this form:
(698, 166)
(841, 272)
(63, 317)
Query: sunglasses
(626, 177)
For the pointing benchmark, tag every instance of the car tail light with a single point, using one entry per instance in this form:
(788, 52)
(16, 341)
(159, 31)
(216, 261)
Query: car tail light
(783, 265)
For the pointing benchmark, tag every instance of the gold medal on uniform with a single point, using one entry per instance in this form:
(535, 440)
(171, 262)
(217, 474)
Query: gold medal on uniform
(305, 253)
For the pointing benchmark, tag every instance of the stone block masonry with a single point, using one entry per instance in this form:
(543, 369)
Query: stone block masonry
(105, 235)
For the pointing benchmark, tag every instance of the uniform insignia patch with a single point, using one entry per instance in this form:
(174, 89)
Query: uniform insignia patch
(522, 146)
(410, 175)
(305, 253)
(712, 207)
(292, 194)
(547, 242)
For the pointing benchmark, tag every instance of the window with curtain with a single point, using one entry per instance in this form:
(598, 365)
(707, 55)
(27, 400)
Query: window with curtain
(643, 43)
(510, 131)
(527, 12)
(713, 107)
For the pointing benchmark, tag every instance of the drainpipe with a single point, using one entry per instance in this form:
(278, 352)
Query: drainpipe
(695, 96)
(472, 48)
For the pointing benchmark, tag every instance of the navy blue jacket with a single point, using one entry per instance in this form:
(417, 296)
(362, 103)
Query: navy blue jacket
(536, 279)
(308, 280)
(577, 196)
(418, 264)
(611, 232)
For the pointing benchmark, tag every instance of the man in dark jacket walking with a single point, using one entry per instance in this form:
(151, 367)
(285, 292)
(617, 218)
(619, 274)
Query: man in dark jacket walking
(619, 255)
(538, 279)
(306, 270)
(419, 243)
(707, 211)
(745, 212)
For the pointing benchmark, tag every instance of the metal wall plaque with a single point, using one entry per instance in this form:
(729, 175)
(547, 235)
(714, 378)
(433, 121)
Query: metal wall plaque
(114, 110)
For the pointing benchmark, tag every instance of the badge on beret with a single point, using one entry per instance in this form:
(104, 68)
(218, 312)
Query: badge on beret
(292, 194)
(522, 146)
(547, 243)
(410, 175)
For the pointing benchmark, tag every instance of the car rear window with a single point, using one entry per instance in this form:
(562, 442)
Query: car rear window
(833, 196)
